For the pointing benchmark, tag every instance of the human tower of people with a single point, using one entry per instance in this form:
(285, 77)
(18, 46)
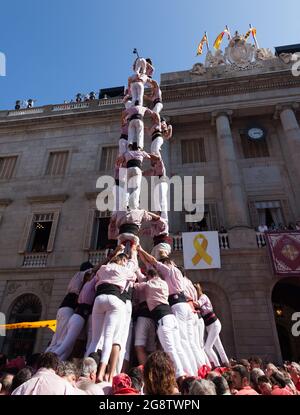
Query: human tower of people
(123, 307)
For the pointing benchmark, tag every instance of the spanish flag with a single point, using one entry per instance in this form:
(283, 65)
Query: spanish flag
(219, 39)
(250, 31)
(201, 44)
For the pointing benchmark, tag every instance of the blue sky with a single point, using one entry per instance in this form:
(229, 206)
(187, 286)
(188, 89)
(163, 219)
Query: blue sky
(56, 48)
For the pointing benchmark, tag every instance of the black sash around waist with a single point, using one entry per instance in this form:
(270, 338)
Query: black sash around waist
(162, 239)
(156, 101)
(108, 289)
(177, 298)
(143, 310)
(84, 310)
(136, 117)
(117, 182)
(124, 136)
(156, 134)
(209, 318)
(129, 228)
(70, 301)
(160, 311)
(127, 295)
(134, 163)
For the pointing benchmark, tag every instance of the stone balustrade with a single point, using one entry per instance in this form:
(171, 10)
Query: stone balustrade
(71, 106)
(35, 260)
(96, 257)
(261, 240)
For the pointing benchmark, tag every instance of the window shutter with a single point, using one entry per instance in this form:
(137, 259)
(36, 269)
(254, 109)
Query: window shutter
(25, 234)
(53, 231)
(88, 230)
(253, 214)
(214, 216)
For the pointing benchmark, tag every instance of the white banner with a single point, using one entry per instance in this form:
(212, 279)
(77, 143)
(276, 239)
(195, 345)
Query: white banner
(201, 250)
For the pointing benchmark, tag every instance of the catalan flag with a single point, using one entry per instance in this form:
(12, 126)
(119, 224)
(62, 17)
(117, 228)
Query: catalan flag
(219, 39)
(201, 44)
(252, 31)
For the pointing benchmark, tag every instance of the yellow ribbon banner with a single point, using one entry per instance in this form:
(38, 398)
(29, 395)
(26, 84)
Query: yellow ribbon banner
(51, 324)
(201, 250)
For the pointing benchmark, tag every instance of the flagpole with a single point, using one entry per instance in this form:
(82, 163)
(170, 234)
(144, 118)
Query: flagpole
(207, 42)
(254, 36)
(229, 33)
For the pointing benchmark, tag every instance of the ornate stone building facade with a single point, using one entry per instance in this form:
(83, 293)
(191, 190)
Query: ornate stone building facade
(52, 156)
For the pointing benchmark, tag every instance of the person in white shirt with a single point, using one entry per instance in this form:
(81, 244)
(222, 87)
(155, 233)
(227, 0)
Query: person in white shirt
(262, 228)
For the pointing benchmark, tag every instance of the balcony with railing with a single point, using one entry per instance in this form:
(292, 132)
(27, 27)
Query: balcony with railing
(35, 260)
(178, 245)
(96, 257)
(48, 110)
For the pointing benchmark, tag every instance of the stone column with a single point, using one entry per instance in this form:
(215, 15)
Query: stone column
(236, 210)
(291, 140)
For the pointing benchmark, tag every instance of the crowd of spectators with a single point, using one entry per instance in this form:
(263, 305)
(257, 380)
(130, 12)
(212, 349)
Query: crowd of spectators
(44, 374)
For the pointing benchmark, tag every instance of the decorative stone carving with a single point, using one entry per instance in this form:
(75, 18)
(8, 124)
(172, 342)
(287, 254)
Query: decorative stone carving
(286, 57)
(239, 52)
(13, 286)
(264, 54)
(198, 69)
(214, 60)
(38, 286)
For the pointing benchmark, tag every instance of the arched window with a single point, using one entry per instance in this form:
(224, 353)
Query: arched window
(20, 342)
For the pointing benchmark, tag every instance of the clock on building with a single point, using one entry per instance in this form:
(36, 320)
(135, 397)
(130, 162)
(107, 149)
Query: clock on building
(256, 133)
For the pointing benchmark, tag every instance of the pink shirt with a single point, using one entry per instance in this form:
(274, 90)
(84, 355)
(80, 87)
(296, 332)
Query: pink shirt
(135, 216)
(88, 293)
(247, 390)
(46, 382)
(173, 277)
(205, 305)
(157, 169)
(155, 228)
(76, 282)
(136, 155)
(156, 292)
(138, 110)
(157, 94)
(189, 290)
(149, 69)
(117, 274)
(124, 128)
(139, 78)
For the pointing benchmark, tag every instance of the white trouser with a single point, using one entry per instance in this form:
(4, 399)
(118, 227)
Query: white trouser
(75, 326)
(213, 340)
(108, 311)
(158, 108)
(169, 337)
(145, 333)
(156, 145)
(182, 314)
(89, 332)
(134, 176)
(197, 351)
(124, 332)
(199, 335)
(129, 342)
(140, 66)
(122, 146)
(136, 132)
(62, 317)
(162, 249)
(161, 200)
(137, 93)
